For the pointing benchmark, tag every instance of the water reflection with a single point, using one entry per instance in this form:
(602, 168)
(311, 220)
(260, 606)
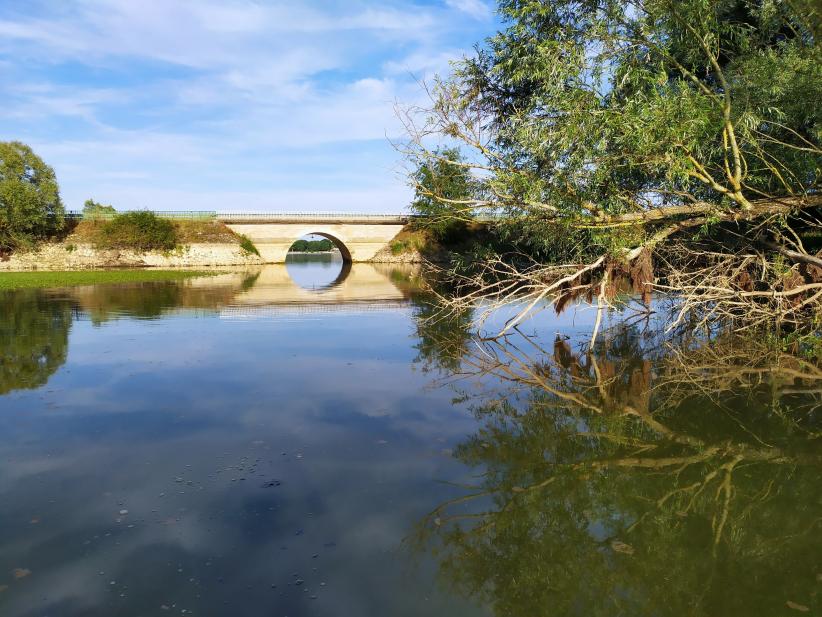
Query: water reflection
(288, 287)
(286, 461)
(34, 331)
(35, 323)
(317, 272)
(183, 462)
(640, 480)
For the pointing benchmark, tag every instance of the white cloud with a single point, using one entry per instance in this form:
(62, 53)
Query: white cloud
(226, 97)
(422, 64)
(477, 9)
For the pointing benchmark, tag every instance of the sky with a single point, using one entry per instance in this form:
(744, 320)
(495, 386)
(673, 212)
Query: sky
(227, 105)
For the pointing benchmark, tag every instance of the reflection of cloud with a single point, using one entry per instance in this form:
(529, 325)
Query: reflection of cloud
(110, 457)
(143, 403)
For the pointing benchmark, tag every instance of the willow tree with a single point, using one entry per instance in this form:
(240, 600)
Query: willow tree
(640, 126)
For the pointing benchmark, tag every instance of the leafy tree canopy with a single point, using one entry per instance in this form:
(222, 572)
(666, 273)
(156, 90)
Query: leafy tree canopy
(602, 107)
(443, 191)
(312, 246)
(95, 210)
(30, 206)
(680, 132)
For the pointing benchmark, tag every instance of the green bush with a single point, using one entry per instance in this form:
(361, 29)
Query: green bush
(30, 206)
(93, 211)
(140, 230)
(248, 246)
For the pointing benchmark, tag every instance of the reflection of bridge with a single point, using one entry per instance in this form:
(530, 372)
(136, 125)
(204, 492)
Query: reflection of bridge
(358, 236)
(270, 290)
(273, 285)
(241, 313)
(261, 291)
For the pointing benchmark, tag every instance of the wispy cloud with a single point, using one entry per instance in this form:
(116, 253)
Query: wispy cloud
(477, 9)
(188, 96)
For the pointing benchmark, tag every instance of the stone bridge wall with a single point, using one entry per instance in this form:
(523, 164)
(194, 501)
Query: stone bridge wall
(356, 241)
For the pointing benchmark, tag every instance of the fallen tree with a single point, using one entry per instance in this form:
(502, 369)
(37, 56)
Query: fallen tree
(673, 146)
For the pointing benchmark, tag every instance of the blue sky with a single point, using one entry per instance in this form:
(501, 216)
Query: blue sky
(225, 104)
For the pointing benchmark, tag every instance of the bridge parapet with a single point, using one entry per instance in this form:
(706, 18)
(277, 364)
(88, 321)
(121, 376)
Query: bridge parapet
(354, 218)
(351, 218)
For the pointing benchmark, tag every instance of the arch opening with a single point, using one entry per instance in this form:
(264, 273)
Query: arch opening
(318, 262)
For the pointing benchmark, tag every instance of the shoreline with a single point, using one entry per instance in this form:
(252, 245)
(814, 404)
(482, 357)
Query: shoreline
(67, 256)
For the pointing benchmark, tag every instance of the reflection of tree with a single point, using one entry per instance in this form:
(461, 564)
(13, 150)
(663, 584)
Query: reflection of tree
(33, 338)
(152, 300)
(617, 485)
(140, 300)
(443, 335)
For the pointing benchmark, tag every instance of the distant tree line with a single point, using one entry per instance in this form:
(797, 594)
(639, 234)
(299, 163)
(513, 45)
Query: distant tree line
(312, 246)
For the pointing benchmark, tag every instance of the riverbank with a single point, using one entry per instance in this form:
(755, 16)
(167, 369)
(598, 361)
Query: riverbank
(53, 279)
(70, 256)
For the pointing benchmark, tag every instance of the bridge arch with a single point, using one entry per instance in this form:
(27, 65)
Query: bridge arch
(337, 242)
(359, 237)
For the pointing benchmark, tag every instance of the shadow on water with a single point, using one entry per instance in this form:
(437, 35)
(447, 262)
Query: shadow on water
(651, 477)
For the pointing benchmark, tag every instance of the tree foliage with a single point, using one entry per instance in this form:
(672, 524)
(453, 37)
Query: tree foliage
(599, 108)
(30, 205)
(93, 210)
(312, 246)
(623, 127)
(443, 193)
(139, 230)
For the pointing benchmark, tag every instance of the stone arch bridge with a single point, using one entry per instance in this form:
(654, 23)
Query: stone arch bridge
(359, 237)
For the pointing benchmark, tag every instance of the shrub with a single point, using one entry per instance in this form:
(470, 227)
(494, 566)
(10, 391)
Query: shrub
(95, 211)
(248, 246)
(140, 230)
(30, 206)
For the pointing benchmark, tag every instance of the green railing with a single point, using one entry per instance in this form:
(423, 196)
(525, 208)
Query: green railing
(179, 215)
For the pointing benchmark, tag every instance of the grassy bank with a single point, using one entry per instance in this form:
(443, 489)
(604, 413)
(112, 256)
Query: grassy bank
(32, 280)
(100, 233)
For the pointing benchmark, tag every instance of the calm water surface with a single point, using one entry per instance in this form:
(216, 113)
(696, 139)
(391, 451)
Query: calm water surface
(312, 440)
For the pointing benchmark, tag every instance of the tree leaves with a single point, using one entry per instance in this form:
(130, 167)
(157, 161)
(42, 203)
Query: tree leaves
(30, 205)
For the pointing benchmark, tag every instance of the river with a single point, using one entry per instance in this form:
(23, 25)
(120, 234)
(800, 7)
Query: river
(317, 440)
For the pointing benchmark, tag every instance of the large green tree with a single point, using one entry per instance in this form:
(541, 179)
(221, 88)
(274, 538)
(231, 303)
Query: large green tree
(635, 125)
(443, 193)
(30, 205)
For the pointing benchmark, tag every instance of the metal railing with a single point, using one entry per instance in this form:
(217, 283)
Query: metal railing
(182, 215)
(258, 217)
(274, 217)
